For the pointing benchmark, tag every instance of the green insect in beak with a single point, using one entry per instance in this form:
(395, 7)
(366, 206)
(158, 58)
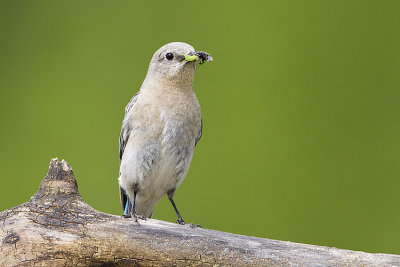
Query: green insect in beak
(191, 58)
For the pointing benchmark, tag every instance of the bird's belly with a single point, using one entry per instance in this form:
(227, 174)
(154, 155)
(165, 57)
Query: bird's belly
(169, 172)
(167, 175)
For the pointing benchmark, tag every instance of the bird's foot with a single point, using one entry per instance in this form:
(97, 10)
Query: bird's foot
(135, 217)
(141, 217)
(138, 216)
(180, 221)
(192, 225)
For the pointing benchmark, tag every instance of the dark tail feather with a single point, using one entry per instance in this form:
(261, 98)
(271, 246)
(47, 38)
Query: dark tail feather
(123, 198)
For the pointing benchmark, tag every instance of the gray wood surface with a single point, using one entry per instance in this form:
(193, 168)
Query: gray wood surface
(57, 228)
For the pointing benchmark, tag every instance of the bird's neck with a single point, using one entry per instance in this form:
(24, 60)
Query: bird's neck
(170, 84)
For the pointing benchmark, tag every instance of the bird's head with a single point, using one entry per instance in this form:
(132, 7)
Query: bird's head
(175, 64)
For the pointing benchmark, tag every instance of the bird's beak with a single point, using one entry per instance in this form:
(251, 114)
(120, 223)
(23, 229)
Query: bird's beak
(198, 55)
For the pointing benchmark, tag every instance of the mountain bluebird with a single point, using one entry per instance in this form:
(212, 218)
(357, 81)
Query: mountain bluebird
(161, 128)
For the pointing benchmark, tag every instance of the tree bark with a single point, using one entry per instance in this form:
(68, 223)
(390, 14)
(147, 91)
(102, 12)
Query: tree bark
(57, 228)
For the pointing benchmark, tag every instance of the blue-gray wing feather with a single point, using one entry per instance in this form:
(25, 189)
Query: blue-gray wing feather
(126, 127)
(200, 132)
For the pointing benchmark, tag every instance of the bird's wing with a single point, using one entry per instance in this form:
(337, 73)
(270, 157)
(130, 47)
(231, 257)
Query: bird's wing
(126, 127)
(123, 140)
(200, 132)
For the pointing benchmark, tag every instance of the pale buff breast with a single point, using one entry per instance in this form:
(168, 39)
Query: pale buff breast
(164, 131)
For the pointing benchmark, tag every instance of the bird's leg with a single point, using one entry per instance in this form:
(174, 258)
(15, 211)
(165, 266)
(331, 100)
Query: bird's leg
(171, 198)
(133, 212)
(180, 220)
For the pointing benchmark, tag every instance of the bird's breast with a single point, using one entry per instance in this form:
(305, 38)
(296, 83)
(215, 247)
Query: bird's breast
(170, 122)
(182, 122)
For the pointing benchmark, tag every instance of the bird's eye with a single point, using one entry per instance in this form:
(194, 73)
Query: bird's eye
(169, 56)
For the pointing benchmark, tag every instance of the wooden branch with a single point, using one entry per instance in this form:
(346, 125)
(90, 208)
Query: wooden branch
(57, 228)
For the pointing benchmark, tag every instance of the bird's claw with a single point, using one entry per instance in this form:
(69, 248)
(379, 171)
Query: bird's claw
(141, 217)
(180, 221)
(135, 217)
(138, 216)
(192, 225)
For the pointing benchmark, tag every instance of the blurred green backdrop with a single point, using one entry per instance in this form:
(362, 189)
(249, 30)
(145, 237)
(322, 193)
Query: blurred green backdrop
(300, 110)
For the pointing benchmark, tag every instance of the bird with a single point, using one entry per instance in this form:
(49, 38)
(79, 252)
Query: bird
(160, 130)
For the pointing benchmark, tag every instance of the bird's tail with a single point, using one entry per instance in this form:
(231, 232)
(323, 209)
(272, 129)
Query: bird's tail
(125, 203)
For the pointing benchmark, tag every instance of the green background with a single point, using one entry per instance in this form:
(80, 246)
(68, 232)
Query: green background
(301, 137)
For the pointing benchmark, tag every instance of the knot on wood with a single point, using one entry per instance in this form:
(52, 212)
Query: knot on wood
(11, 238)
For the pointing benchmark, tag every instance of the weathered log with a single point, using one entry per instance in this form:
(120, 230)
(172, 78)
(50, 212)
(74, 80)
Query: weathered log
(57, 228)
